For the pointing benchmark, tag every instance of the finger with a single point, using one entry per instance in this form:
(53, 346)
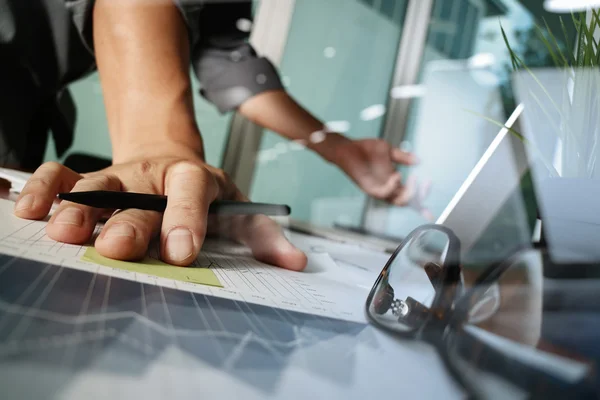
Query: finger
(405, 193)
(39, 193)
(403, 157)
(191, 188)
(127, 234)
(268, 244)
(75, 223)
(389, 188)
(264, 237)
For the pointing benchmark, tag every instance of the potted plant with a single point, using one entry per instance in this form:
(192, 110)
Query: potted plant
(561, 130)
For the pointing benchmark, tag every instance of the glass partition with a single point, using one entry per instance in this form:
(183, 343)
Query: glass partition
(338, 63)
(463, 96)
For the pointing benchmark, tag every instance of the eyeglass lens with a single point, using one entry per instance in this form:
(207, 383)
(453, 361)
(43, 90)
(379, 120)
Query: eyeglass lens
(403, 295)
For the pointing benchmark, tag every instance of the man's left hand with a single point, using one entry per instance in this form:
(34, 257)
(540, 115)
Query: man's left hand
(371, 164)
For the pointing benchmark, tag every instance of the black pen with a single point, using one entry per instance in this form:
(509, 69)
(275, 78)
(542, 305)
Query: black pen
(154, 202)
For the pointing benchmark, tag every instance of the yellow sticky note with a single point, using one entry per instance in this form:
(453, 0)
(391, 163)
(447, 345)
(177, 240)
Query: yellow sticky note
(151, 266)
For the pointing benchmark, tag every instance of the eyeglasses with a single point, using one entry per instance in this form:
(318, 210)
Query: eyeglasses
(484, 323)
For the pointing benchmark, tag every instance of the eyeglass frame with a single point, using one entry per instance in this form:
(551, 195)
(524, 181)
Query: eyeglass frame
(443, 321)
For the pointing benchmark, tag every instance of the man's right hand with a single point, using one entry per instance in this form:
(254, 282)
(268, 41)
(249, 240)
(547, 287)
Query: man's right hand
(191, 186)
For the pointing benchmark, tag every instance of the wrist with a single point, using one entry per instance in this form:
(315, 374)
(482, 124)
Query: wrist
(158, 147)
(152, 127)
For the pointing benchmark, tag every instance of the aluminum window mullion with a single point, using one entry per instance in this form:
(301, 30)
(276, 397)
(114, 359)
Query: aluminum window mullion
(406, 73)
(269, 37)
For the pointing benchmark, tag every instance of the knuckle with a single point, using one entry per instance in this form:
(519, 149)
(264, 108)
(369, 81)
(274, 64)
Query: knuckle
(143, 223)
(39, 182)
(93, 182)
(45, 175)
(51, 167)
(145, 167)
(190, 173)
(188, 167)
(141, 170)
(144, 174)
(224, 177)
(381, 146)
(187, 207)
(101, 180)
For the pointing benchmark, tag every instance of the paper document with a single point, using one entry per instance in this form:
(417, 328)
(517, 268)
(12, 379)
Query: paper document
(17, 179)
(322, 289)
(152, 266)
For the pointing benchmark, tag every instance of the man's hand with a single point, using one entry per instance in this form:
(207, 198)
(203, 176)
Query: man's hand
(191, 186)
(143, 55)
(371, 164)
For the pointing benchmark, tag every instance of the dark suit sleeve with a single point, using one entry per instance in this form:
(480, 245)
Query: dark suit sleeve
(227, 66)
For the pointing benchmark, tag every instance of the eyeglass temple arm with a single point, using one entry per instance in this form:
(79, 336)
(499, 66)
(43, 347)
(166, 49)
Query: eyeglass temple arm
(527, 377)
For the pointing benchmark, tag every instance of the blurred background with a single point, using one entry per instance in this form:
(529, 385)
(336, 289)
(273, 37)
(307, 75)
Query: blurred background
(422, 74)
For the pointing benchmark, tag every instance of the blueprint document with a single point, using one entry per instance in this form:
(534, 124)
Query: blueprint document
(325, 288)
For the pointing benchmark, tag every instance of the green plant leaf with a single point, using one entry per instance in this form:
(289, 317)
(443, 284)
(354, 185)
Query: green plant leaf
(542, 37)
(499, 124)
(595, 24)
(560, 59)
(567, 40)
(578, 51)
(596, 16)
(580, 43)
(519, 136)
(512, 54)
(588, 47)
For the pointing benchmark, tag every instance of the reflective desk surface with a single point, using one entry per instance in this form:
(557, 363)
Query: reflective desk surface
(71, 334)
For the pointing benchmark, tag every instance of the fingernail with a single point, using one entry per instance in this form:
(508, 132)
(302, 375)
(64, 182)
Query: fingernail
(180, 244)
(120, 230)
(70, 216)
(25, 203)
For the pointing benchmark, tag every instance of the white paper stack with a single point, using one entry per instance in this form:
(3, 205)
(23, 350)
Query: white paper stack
(17, 179)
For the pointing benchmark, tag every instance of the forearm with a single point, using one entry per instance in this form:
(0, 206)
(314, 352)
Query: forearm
(277, 111)
(142, 52)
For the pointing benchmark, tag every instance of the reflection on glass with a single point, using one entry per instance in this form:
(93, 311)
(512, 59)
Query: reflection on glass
(562, 123)
(338, 62)
(417, 274)
(465, 75)
(487, 324)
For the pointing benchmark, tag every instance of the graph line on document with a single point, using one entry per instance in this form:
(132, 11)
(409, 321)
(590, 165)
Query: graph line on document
(158, 328)
(25, 322)
(218, 346)
(69, 356)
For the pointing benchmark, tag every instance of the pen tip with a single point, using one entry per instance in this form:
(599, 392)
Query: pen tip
(65, 196)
